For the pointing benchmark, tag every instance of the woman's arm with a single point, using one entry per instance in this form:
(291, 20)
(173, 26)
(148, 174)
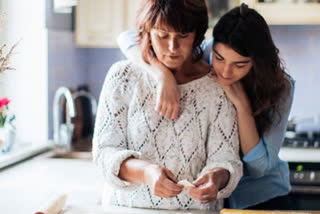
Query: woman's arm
(109, 147)
(168, 96)
(160, 180)
(264, 156)
(120, 166)
(259, 153)
(248, 132)
(208, 185)
(128, 42)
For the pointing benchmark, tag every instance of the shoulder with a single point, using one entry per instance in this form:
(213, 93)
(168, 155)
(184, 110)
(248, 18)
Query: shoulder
(213, 95)
(121, 78)
(212, 89)
(291, 84)
(123, 71)
(290, 88)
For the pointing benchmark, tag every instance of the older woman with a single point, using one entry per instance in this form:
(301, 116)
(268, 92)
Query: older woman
(143, 155)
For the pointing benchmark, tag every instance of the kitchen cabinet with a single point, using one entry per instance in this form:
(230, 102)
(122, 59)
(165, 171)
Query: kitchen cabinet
(99, 22)
(289, 12)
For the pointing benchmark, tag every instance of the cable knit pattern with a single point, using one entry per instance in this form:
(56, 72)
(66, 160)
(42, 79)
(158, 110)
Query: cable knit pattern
(204, 137)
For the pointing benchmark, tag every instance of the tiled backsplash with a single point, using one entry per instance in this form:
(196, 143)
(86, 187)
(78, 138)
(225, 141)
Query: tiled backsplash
(299, 47)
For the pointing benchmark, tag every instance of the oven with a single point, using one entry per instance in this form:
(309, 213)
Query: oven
(305, 182)
(302, 152)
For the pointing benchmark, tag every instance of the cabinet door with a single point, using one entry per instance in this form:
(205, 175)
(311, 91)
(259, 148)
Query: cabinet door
(99, 22)
(287, 12)
(130, 12)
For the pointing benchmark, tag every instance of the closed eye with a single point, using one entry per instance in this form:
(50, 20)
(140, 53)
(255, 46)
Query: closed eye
(218, 58)
(184, 35)
(240, 65)
(161, 36)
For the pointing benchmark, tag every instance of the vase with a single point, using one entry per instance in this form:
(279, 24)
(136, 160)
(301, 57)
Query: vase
(7, 138)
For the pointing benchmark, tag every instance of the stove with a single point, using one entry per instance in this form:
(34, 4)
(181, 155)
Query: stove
(302, 140)
(302, 152)
(301, 147)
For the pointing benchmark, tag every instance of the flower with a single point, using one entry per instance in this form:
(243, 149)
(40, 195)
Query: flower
(4, 58)
(4, 102)
(4, 111)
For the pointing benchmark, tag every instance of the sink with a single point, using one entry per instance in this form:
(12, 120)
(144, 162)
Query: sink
(71, 155)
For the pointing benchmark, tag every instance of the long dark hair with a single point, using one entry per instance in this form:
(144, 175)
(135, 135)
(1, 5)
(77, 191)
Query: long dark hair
(183, 16)
(246, 32)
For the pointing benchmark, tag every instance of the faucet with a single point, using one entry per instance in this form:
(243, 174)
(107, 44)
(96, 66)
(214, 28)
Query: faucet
(62, 133)
(93, 101)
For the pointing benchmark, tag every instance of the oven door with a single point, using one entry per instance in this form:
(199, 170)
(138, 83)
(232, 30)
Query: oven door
(305, 197)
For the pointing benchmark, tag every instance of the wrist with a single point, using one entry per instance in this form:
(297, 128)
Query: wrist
(244, 108)
(161, 72)
(145, 172)
(220, 177)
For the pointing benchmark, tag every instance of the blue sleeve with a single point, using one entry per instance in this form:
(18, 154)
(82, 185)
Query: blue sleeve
(127, 39)
(264, 155)
(206, 47)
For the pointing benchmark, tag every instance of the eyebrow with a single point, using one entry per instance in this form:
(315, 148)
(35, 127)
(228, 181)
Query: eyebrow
(245, 61)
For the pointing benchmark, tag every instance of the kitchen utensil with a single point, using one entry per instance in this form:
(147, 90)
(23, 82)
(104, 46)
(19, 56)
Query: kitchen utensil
(53, 205)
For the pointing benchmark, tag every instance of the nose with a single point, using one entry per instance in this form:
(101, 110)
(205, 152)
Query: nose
(173, 45)
(227, 72)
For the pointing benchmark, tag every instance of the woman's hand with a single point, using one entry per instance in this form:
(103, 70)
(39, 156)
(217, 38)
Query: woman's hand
(235, 92)
(208, 185)
(168, 95)
(161, 181)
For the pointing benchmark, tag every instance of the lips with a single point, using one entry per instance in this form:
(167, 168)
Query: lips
(173, 56)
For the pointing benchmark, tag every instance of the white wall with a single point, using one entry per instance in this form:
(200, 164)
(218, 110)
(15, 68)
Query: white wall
(27, 86)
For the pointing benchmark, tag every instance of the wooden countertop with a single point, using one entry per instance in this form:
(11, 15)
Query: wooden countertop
(233, 211)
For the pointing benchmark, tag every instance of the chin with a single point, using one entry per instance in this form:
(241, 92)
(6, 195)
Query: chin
(226, 82)
(173, 65)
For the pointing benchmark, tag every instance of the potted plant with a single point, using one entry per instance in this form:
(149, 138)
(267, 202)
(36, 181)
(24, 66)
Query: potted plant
(7, 128)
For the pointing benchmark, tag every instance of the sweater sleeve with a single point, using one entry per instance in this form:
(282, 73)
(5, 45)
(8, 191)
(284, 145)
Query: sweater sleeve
(264, 156)
(110, 135)
(223, 145)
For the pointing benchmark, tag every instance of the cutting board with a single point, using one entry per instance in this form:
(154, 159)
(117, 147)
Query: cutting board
(126, 210)
(233, 211)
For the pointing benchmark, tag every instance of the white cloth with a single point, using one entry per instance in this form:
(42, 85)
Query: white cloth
(204, 137)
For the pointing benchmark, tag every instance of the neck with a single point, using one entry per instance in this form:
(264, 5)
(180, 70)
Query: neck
(189, 71)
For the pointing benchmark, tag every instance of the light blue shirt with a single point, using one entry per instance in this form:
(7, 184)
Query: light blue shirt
(265, 176)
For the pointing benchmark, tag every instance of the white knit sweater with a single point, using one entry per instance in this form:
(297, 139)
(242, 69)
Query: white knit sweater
(204, 137)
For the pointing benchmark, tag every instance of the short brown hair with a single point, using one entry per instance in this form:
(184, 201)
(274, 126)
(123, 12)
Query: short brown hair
(183, 16)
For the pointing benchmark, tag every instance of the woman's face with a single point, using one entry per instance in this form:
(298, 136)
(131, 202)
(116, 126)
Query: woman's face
(171, 48)
(229, 66)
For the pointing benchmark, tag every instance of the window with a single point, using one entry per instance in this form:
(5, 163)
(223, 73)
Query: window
(27, 85)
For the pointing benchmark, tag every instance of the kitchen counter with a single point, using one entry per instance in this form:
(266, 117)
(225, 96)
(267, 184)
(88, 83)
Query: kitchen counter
(26, 186)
